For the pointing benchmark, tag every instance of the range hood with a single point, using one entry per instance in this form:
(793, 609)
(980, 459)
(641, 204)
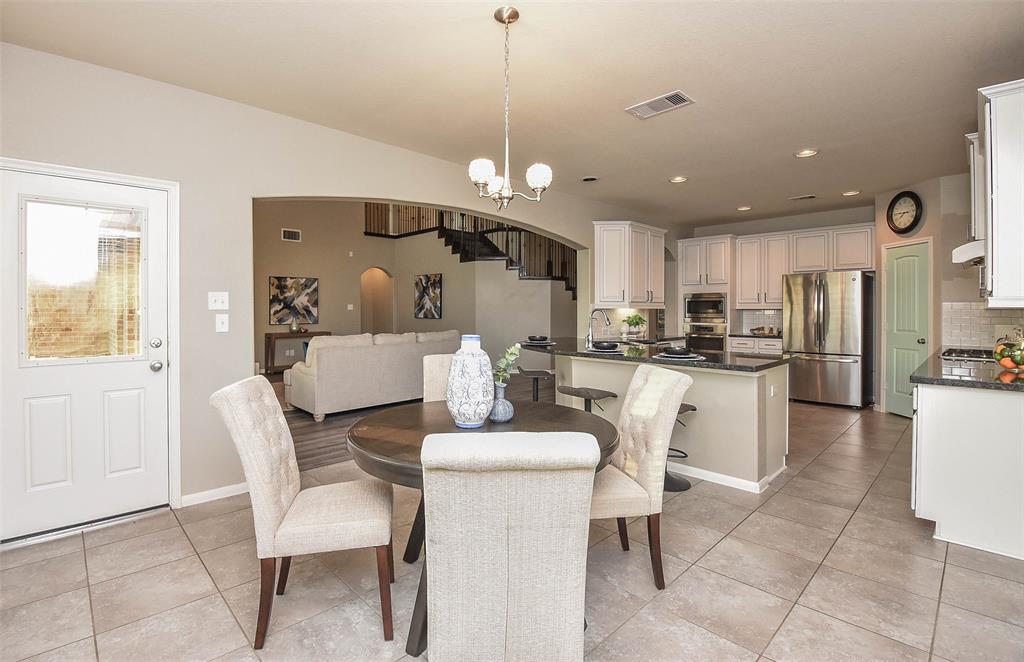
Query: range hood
(972, 252)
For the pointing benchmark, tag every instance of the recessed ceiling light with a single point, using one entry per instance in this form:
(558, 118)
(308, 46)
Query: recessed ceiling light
(743, 208)
(849, 193)
(678, 179)
(805, 152)
(589, 178)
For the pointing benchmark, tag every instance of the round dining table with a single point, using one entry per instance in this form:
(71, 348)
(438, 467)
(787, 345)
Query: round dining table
(387, 445)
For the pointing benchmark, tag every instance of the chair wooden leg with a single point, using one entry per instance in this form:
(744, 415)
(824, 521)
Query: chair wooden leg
(391, 561)
(282, 575)
(654, 536)
(384, 582)
(267, 568)
(623, 537)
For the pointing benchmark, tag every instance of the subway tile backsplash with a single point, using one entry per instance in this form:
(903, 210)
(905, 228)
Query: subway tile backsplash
(971, 324)
(755, 318)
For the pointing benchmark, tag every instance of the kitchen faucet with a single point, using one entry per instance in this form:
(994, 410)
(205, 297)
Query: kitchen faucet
(590, 325)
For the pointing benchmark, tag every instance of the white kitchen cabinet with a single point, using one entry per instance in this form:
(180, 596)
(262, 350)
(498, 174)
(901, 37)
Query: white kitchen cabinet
(769, 345)
(853, 248)
(705, 261)
(748, 272)
(810, 251)
(775, 259)
(1002, 138)
(743, 345)
(629, 265)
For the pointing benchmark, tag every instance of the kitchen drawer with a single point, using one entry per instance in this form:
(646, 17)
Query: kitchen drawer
(770, 346)
(742, 345)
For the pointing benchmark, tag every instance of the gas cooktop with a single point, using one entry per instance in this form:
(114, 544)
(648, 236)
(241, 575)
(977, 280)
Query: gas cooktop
(961, 354)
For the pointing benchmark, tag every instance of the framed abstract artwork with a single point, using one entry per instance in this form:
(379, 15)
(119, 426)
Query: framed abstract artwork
(294, 298)
(427, 301)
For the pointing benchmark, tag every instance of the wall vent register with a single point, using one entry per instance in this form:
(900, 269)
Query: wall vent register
(659, 105)
(288, 234)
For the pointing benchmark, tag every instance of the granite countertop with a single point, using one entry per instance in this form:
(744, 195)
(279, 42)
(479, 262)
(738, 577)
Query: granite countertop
(637, 353)
(777, 336)
(987, 375)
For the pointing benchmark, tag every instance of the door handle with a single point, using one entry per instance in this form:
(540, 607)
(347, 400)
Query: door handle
(921, 341)
(156, 366)
(155, 343)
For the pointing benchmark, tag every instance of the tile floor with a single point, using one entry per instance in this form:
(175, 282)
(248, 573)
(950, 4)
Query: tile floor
(828, 564)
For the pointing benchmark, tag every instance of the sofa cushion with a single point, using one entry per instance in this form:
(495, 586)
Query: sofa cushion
(437, 336)
(394, 338)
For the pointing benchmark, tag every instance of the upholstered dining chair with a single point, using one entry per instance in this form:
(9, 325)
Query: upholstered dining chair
(507, 520)
(291, 522)
(632, 485)
(435, 376)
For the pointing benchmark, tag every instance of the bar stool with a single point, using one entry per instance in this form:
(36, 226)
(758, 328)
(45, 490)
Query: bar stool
(675, 483)
(536, 376)
(589, 395)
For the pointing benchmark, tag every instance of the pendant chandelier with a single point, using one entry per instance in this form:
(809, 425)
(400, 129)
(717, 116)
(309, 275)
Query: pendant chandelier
(482, 172)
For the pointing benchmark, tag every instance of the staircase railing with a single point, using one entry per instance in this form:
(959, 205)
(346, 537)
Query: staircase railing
(533, 255)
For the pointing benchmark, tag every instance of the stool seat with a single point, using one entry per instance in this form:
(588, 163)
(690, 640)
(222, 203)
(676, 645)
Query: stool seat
(586, 393)
(538, 374)
(687, 407)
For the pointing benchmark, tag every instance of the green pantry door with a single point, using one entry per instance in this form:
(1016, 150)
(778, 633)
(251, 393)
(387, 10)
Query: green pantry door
(906, 318)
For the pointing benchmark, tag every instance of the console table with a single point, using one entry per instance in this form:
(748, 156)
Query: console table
(270, 344)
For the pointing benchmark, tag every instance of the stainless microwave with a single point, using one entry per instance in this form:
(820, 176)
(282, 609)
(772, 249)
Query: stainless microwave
(704, 307)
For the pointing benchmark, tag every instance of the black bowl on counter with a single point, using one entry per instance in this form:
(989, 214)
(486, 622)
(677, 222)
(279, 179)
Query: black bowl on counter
(537, 338)
(603, 344)
(676, 351)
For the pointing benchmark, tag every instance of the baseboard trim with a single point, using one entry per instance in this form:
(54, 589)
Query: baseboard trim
(214, 494)
(722, 479)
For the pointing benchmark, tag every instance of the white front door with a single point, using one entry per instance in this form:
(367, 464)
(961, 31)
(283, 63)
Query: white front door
(83, 350)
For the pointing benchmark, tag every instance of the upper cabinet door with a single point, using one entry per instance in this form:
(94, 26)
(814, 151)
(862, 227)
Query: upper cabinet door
(775, 255)
(811, 251)
(716, 270)
(748, 273)
(691, 262)
(610, 265)
(639, 265)
(853, 249)
(656, 267)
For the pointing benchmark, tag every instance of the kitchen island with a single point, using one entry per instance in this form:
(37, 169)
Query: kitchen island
(739, 434)
(968, 453)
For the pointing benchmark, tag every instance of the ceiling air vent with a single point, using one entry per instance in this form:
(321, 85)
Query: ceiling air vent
(659, 105)
(288, 234)
(809, 196)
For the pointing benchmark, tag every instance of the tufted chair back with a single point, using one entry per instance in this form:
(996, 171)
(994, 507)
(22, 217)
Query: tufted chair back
(435, 376)
(254, 418)
(645, 427)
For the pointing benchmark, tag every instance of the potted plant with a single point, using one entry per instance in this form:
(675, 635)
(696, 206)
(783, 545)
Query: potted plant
(635, 322)
(502, 410)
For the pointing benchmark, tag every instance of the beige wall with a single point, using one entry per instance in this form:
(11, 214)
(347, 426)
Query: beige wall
(331, 229)
(508, 310)
(224, 154)
(376, 301)
(426, 254)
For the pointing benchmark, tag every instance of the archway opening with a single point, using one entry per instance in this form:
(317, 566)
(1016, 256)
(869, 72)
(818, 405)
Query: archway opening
(376, 301)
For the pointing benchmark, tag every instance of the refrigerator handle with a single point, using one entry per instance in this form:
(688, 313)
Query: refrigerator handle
(817, 311)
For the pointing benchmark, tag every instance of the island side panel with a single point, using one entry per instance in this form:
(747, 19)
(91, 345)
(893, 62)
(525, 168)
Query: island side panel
(736, 437)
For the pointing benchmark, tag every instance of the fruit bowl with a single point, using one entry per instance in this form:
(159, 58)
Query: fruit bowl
(1009, 352)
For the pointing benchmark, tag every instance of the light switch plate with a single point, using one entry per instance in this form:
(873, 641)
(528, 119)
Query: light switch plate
(221, 324)
(217, 300)
(350, 307)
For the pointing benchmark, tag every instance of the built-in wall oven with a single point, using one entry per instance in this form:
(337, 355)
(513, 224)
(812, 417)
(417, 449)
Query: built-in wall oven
(704, 321)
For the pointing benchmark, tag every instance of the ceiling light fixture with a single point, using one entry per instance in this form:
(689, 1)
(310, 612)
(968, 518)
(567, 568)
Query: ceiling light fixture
(805, 152)
(743, 208)
(482, 172)
(850, 193)
(678, 179)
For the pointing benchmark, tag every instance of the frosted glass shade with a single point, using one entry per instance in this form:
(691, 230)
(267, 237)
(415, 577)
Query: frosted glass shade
(538, 176)
(481, 170)
(494, 184)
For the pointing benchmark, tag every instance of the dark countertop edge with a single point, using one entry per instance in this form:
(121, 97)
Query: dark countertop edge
(930, 380)
(751, 335)
(698, 365)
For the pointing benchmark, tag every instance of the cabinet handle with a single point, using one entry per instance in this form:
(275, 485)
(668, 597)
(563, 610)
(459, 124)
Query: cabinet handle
(759, 297)
(623, 297)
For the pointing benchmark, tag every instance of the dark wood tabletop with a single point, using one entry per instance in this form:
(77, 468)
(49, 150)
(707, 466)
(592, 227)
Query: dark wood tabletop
(387, 444)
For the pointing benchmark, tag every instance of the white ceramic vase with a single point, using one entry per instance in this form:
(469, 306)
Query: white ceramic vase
(470, 385)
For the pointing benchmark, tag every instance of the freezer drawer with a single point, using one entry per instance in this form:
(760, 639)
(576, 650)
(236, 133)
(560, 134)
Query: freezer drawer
(826, 378)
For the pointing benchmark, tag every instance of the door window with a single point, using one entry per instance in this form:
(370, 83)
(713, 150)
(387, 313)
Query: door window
(82, 282)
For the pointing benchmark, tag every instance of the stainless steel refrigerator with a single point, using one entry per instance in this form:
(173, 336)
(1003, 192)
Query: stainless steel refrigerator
(827, 336)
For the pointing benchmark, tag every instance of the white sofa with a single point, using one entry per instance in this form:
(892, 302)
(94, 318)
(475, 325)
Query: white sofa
(350, 372)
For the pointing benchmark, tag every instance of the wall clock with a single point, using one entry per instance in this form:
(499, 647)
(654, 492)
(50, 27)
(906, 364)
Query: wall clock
(904, 212)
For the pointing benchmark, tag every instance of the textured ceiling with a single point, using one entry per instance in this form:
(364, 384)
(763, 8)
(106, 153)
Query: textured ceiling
(883, 90)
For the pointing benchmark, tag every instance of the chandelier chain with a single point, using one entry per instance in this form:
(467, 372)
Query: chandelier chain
(506, 174)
